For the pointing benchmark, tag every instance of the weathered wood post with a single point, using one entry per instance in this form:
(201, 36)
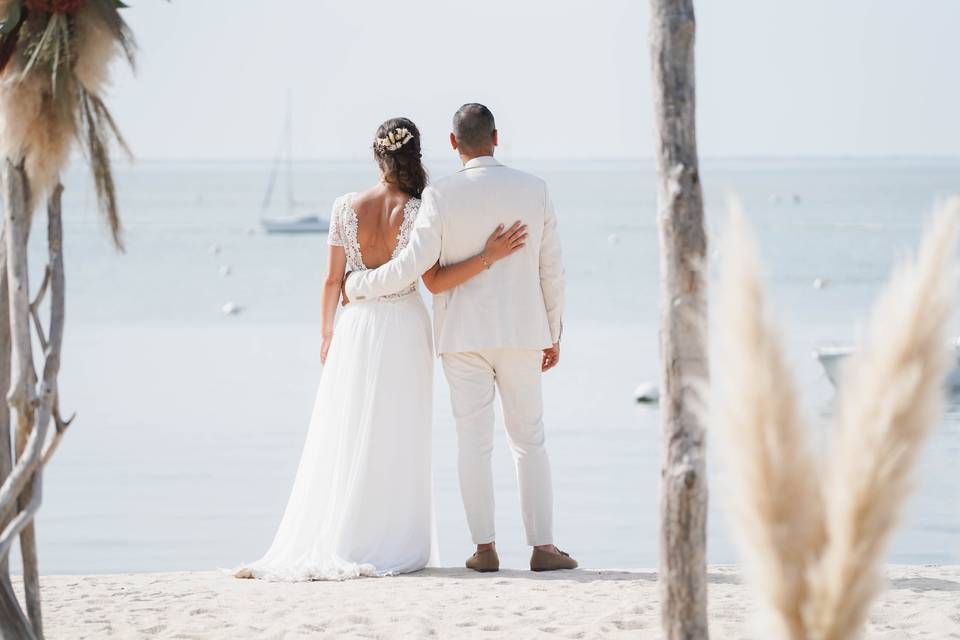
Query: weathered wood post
(6, 445)
(14, 623)
(683, 323)
(25, 477)
(22, 394)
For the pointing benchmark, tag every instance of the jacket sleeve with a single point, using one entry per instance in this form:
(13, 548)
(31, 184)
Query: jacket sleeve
(551, 269)
(421, 253)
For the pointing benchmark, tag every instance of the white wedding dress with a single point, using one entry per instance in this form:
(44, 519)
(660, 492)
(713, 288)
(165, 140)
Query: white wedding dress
(361, 504)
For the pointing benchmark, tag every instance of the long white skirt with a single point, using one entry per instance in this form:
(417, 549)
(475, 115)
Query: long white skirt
(361, 504)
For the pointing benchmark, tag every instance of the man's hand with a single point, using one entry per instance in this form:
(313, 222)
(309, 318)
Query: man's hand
(343, 288)
(551, 356)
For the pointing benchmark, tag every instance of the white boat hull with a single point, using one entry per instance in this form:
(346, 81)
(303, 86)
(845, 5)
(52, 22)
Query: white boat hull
(832, 358)
(305, 224)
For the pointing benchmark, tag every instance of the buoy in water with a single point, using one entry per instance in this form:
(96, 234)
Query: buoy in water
(231, 309)
(225, 270)
(214, 249)
(646, 393)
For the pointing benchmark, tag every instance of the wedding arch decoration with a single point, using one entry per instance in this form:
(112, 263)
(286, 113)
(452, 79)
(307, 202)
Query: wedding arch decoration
(54, 61)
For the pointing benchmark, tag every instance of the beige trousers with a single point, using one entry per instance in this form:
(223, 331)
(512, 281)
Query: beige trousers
(474, 378)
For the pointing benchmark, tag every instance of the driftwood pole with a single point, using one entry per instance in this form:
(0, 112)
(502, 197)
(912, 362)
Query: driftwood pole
(7, 612)
(20, 492)
(22, 394)
(17, 386)
(683, 324)
(6, 444)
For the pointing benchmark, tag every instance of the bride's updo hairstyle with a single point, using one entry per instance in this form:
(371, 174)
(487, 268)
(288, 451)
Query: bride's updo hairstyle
(397, 150)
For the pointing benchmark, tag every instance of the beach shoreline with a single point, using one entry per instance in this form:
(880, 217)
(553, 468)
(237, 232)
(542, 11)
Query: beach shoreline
(919, 602)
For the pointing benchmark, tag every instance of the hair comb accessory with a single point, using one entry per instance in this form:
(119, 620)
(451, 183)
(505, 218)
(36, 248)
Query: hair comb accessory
(395, 139)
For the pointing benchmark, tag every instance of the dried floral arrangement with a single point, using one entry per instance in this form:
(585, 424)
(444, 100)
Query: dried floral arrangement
(813, 527)
(54, 62)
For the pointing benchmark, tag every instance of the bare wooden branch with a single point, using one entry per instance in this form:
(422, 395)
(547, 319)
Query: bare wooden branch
(22, 472)
(22, 395)
(15, 624)
(22, 519)
(6, 445)
(58, 420)
(35, 308)
(51, 447)
(57, 278)
(61, 426)
(28, 465)
(57, 288)
(683, 317)
(30, 454)
(42, 291)
(54, 273)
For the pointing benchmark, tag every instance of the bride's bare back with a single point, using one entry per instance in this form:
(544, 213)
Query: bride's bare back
(380, 212)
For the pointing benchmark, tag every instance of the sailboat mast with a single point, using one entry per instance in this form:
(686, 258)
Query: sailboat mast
(284, 149)
(291, 201)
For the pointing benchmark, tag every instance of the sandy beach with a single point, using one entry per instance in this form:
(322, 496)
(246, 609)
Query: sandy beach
(921, 602)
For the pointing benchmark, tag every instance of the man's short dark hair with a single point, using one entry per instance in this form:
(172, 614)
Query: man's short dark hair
(473, 126)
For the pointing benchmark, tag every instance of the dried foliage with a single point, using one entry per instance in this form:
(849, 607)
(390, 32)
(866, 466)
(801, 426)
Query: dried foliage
(814, 534)
(774, 490)
(54, 62)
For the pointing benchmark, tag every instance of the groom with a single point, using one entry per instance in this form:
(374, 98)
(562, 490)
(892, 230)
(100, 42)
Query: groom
(500, 330)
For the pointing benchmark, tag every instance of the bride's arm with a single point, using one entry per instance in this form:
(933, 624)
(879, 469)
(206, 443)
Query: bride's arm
(336, 265)
(499, 245)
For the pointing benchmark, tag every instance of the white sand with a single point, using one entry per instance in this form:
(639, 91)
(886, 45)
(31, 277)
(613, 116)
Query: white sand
(922, 602)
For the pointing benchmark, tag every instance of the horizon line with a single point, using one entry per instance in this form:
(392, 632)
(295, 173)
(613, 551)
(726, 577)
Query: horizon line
(704, 158)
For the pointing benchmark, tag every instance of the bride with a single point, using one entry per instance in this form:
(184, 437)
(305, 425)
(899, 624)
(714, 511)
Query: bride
(361, 503)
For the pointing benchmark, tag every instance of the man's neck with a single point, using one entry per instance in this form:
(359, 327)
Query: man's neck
(467, 157)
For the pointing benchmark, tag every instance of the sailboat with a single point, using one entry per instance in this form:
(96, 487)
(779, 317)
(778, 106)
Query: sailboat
(832, 358)
(292, 222)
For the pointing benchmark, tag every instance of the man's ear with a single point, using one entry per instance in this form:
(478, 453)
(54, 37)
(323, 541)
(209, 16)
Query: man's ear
(453, 141)
(496, 138)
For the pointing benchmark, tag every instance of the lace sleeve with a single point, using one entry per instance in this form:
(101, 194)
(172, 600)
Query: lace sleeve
(335, 238)
(409, 218)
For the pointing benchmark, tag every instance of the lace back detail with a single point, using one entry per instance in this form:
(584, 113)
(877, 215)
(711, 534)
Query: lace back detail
(348, 226)
(351, 245)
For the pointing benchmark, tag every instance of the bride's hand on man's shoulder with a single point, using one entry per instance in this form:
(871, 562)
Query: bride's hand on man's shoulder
(502, 243)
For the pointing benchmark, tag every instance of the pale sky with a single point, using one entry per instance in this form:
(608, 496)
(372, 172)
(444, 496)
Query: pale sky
(565, 79)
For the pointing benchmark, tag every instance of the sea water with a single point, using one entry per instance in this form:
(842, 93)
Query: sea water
(190, 422)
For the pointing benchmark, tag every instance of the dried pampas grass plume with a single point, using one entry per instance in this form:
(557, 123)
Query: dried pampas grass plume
(36, 130)
(814, 540)
(53, 70)
(889, 399)
(772, 471)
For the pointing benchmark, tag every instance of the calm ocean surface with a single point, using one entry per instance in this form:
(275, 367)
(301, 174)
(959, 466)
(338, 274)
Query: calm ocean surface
(190, 422)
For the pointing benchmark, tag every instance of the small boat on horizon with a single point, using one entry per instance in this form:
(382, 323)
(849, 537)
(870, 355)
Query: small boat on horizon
(831, 359)
(293, 222)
